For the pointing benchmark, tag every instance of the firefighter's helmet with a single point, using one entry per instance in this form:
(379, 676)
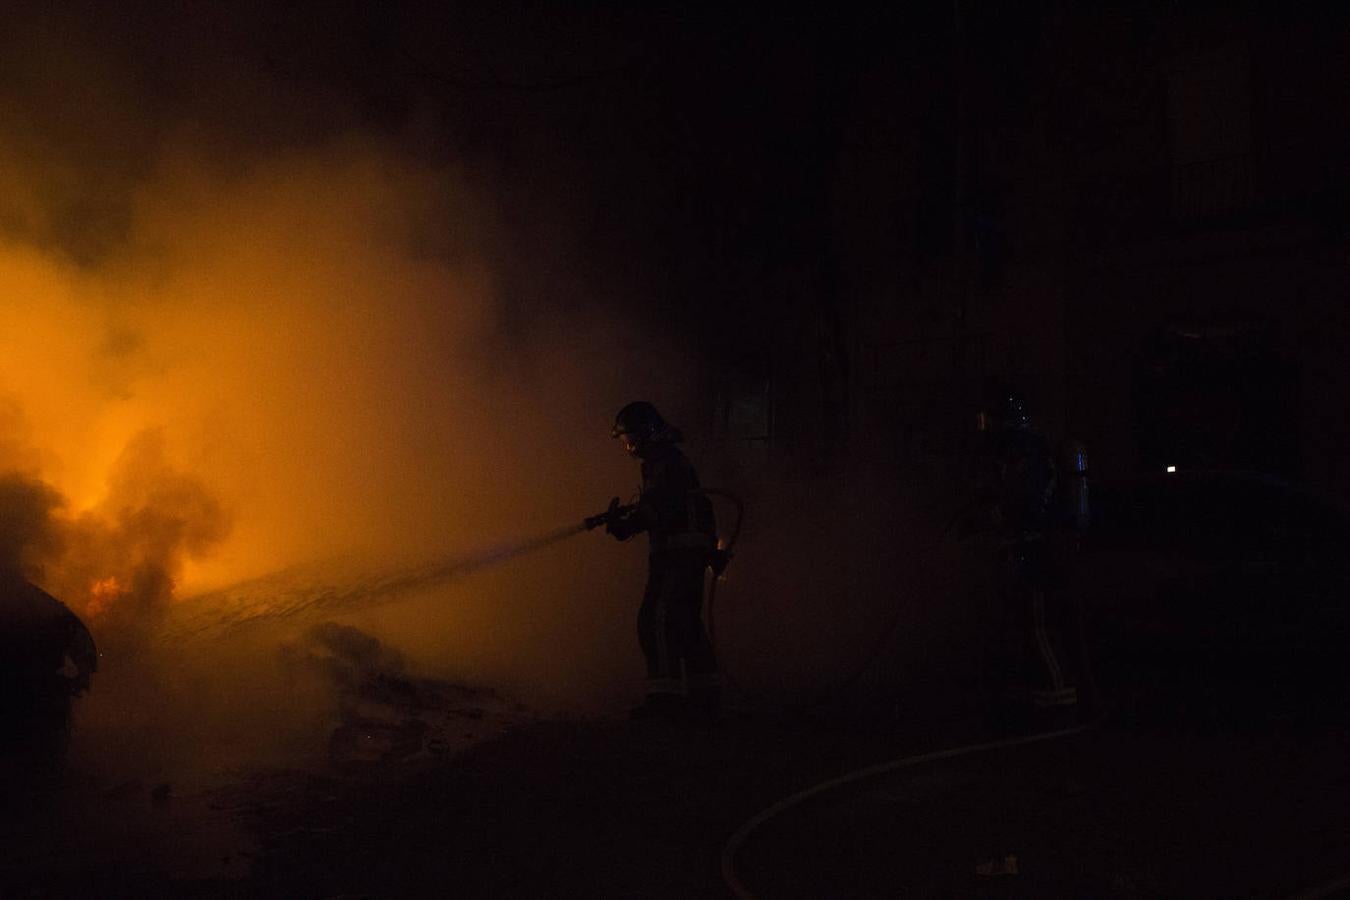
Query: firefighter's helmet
(640, 425)
(1004, 408)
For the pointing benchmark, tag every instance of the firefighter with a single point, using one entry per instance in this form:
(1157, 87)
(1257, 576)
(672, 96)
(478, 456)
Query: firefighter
(46, 659)
(1036, 650)
(682, 673)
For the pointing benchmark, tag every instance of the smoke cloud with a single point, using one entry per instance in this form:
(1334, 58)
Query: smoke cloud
(249, 329)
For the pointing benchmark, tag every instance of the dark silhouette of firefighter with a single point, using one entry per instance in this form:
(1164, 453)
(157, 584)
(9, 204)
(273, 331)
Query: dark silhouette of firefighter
(1037, 666)
(678, 518)
(46, 659)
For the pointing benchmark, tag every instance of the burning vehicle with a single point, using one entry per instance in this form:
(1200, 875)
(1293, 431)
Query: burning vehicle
(48, 657)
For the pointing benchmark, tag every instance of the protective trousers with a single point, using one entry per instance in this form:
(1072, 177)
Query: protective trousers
(1035, 651)
(679, 655)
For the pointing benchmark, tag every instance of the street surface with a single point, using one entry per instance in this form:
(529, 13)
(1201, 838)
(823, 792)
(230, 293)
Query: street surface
(528, 807)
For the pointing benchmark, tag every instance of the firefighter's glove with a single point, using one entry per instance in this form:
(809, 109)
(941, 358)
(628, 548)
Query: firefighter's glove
(621, 527)
(616, 519)
(604, 518)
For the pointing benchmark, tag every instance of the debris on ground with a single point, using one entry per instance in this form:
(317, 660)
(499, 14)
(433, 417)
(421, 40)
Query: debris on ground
(383, 713)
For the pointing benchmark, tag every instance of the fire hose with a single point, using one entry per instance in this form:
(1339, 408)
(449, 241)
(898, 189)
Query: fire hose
(726, 549)
(731, 877)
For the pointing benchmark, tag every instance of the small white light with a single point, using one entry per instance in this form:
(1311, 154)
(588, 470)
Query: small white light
(1171, 468)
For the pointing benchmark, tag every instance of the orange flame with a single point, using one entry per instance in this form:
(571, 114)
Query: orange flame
(102, 593)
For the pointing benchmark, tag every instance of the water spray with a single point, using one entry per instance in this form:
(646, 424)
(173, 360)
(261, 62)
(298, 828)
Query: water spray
(288, 595)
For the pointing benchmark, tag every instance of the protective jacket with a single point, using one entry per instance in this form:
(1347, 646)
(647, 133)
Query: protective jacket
(675, 517)
(1020, 481)
(680, 525)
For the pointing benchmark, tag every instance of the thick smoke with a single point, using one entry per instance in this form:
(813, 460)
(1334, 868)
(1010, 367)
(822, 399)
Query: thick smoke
(282, 319)
(119, 563)
(251, 327)
(27, 530)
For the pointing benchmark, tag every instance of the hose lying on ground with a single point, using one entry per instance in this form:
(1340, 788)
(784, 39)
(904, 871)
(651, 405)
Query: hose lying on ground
(734, 843)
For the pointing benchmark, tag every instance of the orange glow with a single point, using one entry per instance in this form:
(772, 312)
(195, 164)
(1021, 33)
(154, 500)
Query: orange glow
(246, 334)
(288, 354)
(101, 594)
(297, 361)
